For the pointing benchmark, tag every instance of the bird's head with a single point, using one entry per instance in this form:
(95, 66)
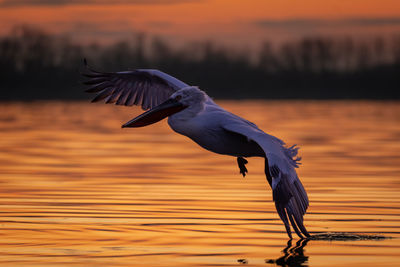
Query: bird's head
(189, 98)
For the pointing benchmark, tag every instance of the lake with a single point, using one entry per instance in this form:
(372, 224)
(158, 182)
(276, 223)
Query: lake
(77, 190)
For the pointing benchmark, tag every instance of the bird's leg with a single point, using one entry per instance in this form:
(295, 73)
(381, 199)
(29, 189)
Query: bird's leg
(242, 162)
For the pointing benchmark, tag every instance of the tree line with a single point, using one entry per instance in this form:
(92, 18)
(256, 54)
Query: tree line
(38, 65)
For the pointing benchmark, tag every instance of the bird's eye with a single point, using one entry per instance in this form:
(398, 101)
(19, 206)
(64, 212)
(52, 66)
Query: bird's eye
(178, 97)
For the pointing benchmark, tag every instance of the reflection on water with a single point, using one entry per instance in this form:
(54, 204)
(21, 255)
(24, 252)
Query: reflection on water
(76, 189)
(292, 255)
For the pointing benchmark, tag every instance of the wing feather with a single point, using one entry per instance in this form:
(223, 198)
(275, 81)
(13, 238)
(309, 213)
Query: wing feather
(130, 101)
(103, 94)
(114, 96)
(144, 87)
(291, 200)
(98, 87)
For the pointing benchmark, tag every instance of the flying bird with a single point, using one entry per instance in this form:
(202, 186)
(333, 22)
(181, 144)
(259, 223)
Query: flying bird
(191, 112)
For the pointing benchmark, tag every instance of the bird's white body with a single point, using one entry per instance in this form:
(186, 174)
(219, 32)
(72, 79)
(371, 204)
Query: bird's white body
(192, 113)
(206, 128)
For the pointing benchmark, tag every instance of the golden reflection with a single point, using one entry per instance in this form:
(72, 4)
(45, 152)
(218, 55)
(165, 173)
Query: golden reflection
(293, 255)
(76, 189)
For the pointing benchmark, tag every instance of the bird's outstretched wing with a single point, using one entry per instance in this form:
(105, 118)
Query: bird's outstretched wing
(143, 87)
(291, 200)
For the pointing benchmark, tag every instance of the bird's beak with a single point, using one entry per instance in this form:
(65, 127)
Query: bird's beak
(169, 107)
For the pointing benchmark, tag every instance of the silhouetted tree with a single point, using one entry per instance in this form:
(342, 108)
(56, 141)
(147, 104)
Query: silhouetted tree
(37, 65)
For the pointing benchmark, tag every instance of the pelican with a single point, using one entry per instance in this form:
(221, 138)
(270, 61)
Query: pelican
(192, 113)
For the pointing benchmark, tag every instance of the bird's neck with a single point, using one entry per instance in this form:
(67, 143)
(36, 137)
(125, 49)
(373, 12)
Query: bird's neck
(188, 113)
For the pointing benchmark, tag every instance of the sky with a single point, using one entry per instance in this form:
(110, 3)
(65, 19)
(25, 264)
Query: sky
(228, 22)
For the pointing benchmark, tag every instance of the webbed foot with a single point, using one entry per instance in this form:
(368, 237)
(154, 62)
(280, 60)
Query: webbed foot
(242, 162)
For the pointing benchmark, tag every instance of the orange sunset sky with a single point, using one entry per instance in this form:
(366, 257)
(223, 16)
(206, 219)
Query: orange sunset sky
(230, 22)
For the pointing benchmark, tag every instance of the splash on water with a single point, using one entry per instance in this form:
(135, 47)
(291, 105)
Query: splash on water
(341, 236)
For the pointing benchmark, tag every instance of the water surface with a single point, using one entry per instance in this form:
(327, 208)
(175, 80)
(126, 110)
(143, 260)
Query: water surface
(78, 190)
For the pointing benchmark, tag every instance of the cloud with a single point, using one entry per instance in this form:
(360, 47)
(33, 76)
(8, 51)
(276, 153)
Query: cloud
(302, 23)
(14, 3)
